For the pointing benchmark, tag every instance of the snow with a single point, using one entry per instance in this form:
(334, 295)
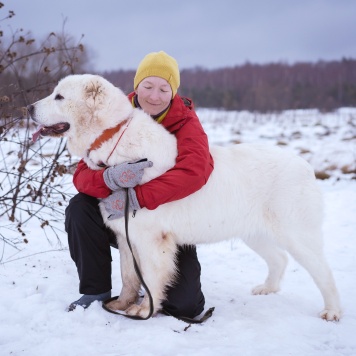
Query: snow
(38, 281)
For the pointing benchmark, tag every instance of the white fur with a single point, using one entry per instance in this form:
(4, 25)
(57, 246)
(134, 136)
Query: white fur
(264, 195)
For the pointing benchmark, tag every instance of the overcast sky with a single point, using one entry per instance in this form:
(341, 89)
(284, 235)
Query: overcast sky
(205, 33)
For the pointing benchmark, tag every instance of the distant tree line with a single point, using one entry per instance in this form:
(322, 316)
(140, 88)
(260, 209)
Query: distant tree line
(325, 85)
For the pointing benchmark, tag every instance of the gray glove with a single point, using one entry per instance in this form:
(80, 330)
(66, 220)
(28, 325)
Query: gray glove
(115, 203)
(126, 175)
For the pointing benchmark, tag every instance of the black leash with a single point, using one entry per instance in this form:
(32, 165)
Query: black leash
(207, 314)
(137, 269)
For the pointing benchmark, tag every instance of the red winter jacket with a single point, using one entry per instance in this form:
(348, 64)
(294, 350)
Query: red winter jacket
(193, 167)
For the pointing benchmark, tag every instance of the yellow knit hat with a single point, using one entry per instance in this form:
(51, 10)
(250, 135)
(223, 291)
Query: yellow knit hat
(159, 64)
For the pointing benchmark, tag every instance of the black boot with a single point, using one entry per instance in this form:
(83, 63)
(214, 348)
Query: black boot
(87, 299)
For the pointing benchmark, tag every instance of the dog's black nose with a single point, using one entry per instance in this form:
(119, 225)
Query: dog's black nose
(30, 109)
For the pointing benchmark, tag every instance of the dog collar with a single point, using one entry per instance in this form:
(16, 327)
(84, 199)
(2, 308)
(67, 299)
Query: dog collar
(107, 135)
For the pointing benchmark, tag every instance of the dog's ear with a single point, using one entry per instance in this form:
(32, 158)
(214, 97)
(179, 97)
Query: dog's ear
(93, 90)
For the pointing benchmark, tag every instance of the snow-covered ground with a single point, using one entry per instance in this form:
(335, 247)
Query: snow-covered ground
(39, 280)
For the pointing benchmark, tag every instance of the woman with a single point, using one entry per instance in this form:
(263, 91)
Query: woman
(156, 83)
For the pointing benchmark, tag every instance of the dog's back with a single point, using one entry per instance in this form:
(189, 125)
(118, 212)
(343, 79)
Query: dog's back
(254, 190)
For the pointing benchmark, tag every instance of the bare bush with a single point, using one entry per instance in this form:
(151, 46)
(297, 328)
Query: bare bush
(33, 177)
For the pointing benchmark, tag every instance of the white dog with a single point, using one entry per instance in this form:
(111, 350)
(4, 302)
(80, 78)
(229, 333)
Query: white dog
(264, 195)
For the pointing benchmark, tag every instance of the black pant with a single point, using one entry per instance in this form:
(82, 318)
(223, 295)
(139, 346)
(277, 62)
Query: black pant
(89, 244)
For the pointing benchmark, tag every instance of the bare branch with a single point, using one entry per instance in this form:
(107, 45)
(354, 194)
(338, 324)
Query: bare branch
(34, 178)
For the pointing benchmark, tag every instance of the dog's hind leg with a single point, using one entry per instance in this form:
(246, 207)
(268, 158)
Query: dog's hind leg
(308, 251)
(276, 260)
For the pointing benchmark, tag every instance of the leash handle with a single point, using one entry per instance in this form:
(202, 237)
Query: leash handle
(206, 316)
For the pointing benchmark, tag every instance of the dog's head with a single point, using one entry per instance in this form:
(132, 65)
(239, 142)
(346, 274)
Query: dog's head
(80, 108)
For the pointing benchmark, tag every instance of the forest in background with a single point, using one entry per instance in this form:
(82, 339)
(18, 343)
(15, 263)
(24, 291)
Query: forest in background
(30, 68)
(272, 87)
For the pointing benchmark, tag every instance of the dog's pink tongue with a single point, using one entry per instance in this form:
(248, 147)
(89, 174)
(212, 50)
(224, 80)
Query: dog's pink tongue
(37, 134)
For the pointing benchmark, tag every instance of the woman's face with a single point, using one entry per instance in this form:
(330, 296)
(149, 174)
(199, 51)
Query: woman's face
(154, 95)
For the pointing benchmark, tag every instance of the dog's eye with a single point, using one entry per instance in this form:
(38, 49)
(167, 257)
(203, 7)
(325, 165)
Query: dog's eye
(58, 97)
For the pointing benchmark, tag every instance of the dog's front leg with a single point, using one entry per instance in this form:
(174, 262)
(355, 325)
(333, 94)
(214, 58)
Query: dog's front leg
(158, 267)
(130, 283)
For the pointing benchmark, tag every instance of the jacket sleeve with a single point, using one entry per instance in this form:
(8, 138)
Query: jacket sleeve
(90, 182)
(193, 167)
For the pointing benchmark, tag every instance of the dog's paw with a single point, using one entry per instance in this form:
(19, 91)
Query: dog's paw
(137, 310)
(118, 304)
(263, 289)
(330, 314)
